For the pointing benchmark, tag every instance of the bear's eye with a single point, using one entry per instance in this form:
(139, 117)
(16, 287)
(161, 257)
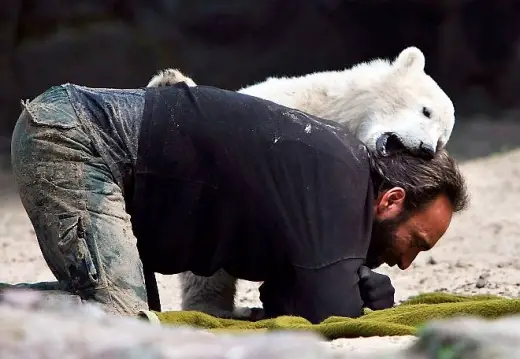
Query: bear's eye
(426, 112)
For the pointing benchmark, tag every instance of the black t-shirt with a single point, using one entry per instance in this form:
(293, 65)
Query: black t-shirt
(268, 193)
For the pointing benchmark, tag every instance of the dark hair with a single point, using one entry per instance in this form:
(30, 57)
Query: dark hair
(422, 179)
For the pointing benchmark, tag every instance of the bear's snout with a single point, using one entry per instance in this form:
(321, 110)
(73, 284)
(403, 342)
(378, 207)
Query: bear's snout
(426, 151)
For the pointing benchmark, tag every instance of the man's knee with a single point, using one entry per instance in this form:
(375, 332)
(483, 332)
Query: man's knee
(69, 231)
(95, 261)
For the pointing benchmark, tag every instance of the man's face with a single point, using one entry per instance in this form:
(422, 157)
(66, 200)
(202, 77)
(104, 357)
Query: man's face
(398, 238)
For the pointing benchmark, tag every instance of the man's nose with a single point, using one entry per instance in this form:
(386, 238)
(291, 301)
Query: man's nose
(407, 260)
(404, 265)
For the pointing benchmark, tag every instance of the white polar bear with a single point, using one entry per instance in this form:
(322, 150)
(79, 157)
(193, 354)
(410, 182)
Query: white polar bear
(377, 100)
(387, 105)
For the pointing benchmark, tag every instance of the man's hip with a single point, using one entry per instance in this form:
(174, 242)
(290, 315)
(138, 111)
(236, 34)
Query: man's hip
(75, 205)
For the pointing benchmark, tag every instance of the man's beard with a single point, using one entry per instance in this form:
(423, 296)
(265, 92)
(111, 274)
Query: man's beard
(382, 242)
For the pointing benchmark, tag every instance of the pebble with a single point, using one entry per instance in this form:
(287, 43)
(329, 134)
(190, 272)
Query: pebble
(460, 264)
(431, 261)
(482, 280)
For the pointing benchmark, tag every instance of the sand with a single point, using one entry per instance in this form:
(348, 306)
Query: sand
(485, 240)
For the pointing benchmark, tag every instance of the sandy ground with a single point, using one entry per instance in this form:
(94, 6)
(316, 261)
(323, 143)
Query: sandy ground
(483, 240)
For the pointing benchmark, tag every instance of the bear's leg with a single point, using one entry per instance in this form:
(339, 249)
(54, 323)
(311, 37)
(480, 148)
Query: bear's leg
(170, 77)
(214, 295)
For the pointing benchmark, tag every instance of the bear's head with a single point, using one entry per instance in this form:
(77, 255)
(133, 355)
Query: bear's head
(400, 106)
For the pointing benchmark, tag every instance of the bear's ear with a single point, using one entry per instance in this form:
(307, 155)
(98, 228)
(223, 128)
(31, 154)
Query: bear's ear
(410, 59)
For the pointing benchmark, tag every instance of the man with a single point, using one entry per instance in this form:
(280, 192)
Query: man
(199, 179)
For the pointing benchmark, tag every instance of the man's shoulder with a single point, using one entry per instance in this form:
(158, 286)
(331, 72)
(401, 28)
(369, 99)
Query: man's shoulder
(338, 142)
(257, 120)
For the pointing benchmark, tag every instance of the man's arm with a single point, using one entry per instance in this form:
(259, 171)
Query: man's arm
(326, 206)
(316, 294)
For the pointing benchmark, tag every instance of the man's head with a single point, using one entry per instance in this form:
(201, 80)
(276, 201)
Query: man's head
(414, 204)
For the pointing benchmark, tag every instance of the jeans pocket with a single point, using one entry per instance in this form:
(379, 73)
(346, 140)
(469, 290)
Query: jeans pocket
(74, 248)
(53, 109)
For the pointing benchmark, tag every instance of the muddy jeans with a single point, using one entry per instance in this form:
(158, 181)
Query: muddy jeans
(75, 205)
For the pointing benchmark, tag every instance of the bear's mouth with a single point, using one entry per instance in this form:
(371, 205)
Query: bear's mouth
(389, 143)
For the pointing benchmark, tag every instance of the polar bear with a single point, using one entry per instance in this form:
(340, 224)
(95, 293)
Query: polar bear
(386, 104)
(383, 103)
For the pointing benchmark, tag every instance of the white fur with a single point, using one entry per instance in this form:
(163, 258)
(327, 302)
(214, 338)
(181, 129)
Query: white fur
(169, 77)
(370, 99)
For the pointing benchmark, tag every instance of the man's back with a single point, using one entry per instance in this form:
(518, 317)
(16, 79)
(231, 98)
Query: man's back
(225, 180)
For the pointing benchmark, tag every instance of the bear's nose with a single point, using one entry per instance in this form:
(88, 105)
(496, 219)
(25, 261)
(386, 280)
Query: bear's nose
(426, 151)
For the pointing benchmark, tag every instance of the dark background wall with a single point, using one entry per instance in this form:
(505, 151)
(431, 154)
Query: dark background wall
(471, 46)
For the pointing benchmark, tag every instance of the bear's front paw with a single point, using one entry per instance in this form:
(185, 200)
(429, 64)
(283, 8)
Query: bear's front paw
(250, 314)
(170, 77)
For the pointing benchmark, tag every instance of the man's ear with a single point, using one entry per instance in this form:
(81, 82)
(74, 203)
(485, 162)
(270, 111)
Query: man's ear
(390, 203)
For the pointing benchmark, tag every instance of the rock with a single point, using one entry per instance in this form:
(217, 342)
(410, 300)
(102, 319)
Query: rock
(36, 328)
(485, 275)
(472, 338)
(12, 297)
(431, 261)
(481, 283)
(461, 338)
(482, 280)
(461, 264)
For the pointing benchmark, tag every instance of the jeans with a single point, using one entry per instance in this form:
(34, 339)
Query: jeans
(76, 205)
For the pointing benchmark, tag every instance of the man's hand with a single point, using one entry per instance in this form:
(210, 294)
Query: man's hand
(377, 291)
